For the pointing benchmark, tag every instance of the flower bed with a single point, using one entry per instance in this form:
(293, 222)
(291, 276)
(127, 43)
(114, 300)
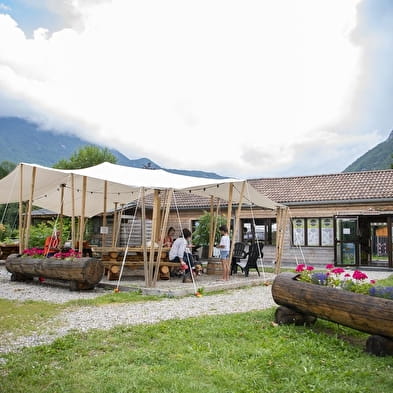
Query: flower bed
(340, 278)
(337, 297)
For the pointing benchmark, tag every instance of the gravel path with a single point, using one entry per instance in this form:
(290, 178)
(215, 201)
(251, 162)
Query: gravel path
(108, 316)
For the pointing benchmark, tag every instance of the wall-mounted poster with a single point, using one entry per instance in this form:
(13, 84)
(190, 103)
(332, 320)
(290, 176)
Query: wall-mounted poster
(298, 231)
(312, 232)
(327, 237)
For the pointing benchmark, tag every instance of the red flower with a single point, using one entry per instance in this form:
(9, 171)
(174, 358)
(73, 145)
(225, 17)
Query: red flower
(310, 268)
(300, 268)
(329, 266)
(358, 275)
(338, 270)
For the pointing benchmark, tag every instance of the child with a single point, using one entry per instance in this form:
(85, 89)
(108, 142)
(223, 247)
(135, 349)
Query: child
(224, 247)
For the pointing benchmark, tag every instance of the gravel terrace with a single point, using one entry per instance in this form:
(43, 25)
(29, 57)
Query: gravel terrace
(254, 297)
(237, 298)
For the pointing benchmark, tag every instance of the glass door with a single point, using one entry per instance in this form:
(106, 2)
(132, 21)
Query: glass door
(347, 241)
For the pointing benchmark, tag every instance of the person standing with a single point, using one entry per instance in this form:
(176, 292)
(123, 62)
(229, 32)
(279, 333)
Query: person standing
(224, 247)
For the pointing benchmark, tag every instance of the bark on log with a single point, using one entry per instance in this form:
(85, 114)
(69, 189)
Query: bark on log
(83, 272)
(362, 312)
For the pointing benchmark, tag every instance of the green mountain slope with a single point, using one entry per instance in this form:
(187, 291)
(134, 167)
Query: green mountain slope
(22, 141)
(379, 157)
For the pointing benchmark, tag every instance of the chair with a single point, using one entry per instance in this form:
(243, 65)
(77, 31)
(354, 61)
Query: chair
(254, 254)
(238, 254)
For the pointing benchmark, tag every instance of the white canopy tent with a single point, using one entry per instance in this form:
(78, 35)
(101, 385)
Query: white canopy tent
(43, 186)
(91, 191)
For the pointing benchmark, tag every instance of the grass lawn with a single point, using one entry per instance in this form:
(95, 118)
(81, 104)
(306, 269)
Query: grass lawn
(230, 353)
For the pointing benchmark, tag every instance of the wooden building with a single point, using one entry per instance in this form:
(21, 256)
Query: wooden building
(343, 218)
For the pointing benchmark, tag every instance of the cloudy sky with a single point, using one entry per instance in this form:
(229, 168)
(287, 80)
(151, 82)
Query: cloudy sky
(249, 88)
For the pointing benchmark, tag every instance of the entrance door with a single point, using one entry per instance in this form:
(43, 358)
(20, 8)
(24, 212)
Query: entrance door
(347, 241)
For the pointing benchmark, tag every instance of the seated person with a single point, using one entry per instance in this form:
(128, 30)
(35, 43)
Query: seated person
(168, 239)
(52, 243)
(180, 251)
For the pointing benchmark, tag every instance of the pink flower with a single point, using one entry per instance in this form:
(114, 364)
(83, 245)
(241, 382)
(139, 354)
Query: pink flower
(373, 282)
(310, 268)
(338, 270)
(347, 275)
(300, 268)
(358, 275)
(329, 266)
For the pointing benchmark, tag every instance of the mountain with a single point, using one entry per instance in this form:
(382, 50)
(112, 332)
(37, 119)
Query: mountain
(23, 141)
(379, 157)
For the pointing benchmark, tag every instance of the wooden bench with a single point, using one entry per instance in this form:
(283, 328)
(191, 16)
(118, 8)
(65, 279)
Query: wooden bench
(112, 268)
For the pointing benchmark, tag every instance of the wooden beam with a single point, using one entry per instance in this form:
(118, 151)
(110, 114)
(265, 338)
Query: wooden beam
(104, 223)
(229, 211)
(29, 208)
(82, 216)
(144, 246)
(238, 211)
(21, 237)
(211, 245)
(114, 225)
(73, 229)
(156, 208)
(164, 224)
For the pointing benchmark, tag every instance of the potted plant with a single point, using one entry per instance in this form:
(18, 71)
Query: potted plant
(201, 234)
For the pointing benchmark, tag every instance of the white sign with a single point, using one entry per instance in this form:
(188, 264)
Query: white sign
(104, 230)
(347, 231)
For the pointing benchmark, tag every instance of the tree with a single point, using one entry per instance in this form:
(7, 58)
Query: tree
(8, 212)
(85, 157)
(201, 235)
(6, 167)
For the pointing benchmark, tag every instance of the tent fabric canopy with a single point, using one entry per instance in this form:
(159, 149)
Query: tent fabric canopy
(123, 186)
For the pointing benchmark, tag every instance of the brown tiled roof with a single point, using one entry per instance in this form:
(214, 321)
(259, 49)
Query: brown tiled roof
(349, 186)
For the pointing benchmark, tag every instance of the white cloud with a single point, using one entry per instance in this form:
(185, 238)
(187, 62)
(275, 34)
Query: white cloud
(226, 86)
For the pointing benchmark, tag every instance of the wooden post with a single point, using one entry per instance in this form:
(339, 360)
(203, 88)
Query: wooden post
(229, 212)
(213, 234)
(235, 229)
(29, 208)
(114, 225)
(82, 217)
(156, 207)
(143, 229)
(21, 234)
(162, 234)
(104, 223)
(73, 232)
(282, 217)
(62, 187)
(211, 245)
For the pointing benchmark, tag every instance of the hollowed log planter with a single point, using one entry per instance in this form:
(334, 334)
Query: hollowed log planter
(301, 302)
(83, 273)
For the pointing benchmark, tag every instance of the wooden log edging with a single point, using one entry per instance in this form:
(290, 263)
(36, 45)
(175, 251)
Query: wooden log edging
(83, 273)
(361, 312)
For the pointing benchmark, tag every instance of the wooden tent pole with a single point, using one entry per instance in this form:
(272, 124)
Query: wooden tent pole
(143, 229)
(229, 212)
(213, 235)
(164, 224)
(82, 217)
(118, 223)
(62, 187)
(21, 237)
(238, 211)
(282, 217)
(156, 207)
(114, 225)
(103, 235)
(211, 242)
(30, 208)
(73, 232)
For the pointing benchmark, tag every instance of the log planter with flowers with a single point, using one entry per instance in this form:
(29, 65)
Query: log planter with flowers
(82, 273)
(301, 302)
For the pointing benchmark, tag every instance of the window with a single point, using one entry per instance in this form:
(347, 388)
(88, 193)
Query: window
(312, 232)
(260, 229)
